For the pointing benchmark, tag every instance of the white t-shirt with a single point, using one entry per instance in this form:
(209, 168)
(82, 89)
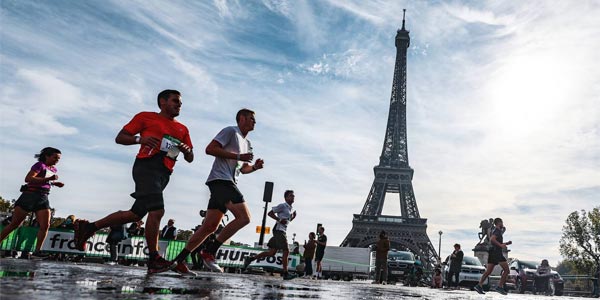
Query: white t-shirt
(283, 211)
(229, 169)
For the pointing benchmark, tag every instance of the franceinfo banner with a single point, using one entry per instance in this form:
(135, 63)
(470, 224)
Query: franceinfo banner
(133, 247)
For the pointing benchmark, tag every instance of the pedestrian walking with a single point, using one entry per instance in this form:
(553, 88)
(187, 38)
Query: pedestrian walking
(321, 244)
(233, 156)
(169, 232)
(496, 257)
(283, 214)
(381, 255)
(34, 197)
(162, 138)
(456, 259)
(114, 237)
(309, 254)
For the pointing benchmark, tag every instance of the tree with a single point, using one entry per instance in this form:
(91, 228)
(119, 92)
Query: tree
(580, 242)
(6, 205)
(183, 235)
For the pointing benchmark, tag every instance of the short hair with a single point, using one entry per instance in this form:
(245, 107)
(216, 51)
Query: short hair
(322, 228)
(312, 234)
(382, 233)
(44, 153)
(497, 220)
(287, 193)
(457, 245)
(165, 95)
(171, 220)
(243, 112)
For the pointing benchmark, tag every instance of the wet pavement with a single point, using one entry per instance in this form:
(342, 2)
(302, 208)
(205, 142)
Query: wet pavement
(30, 279)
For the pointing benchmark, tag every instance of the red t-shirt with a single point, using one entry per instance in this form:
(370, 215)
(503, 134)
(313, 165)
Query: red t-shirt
(170, 132)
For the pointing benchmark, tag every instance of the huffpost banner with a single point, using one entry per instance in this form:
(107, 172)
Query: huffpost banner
(234, 256)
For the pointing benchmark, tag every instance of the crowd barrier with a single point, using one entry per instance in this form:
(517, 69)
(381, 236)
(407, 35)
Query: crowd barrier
(61, 241)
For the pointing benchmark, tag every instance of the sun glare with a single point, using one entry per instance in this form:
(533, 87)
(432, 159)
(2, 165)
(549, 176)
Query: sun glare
(526, 93)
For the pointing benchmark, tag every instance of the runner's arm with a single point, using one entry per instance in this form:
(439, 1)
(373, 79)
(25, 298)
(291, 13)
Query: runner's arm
(126, 138)
(215, 149)
(188, 154)
(31, 177)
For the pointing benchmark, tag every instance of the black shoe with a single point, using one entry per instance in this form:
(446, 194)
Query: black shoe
(247, 261)
(479, 289)
(288, 276)
(501, 290)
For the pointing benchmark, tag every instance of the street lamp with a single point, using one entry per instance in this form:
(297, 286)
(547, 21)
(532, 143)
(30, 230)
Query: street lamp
(440, 247)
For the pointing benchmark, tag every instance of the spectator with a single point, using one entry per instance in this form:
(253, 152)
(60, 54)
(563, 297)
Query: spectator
(437, 279)
(456, 259)
(169, 231)
(309, 254)
(68, 223)
(136, 228)
(381, 255)
(115, 236)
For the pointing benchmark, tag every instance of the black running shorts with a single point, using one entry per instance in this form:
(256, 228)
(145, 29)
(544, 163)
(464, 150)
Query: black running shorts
(496, 257)
(319, 255)
(151, 178)
(33, 201)
(223, 192)
(278, 241)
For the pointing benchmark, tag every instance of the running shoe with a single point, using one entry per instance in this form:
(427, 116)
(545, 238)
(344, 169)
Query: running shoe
(479, 289)
(247, 261)
(183, 269)
(288, 276)
(83, 231)
(159, 264)
(209, 261)
(501, 290)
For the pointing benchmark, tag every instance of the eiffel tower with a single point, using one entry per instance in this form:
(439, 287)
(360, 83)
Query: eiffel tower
(394, 175)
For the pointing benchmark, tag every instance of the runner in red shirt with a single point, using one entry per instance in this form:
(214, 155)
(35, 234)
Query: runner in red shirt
(161, 140)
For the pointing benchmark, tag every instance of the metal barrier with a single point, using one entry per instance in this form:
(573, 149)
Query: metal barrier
(61, 241)
(578, 285)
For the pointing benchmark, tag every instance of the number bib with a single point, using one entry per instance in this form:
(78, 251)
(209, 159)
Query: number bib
(169, 144)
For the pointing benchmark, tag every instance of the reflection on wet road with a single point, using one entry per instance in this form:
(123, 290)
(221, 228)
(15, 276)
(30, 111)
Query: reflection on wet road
(28, 279)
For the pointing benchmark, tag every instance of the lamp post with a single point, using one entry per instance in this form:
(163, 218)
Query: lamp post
(440, 247)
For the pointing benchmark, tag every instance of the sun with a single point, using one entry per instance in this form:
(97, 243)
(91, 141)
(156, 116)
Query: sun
(526, 92)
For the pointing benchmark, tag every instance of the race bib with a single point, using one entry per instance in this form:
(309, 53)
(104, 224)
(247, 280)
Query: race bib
(169, 144)
(49, 173)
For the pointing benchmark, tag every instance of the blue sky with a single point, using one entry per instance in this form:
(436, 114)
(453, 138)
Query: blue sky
(503, 112)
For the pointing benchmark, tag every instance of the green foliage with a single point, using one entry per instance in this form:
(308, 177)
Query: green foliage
(6, 205)
(183, 235)
(580, 242)
(569, 267)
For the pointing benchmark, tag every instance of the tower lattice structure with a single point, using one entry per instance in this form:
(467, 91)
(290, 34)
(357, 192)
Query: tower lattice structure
(394, 175)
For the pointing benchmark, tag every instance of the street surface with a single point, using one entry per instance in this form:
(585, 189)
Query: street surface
(48, 280)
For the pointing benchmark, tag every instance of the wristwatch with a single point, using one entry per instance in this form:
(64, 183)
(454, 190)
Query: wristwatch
(137, 139)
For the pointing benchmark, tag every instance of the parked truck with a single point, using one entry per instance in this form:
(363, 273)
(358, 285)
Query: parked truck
(346, 263)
